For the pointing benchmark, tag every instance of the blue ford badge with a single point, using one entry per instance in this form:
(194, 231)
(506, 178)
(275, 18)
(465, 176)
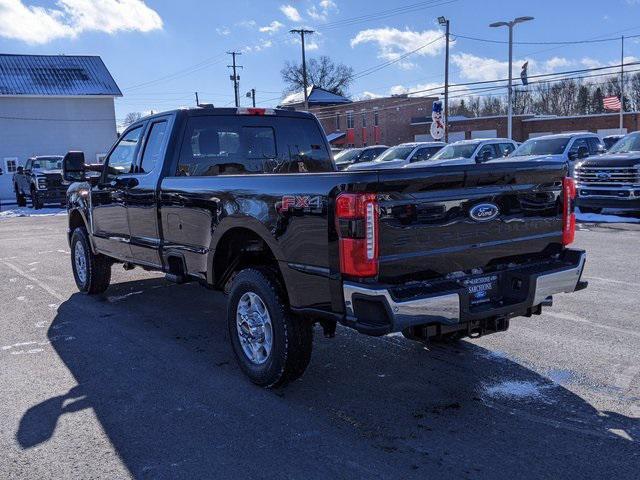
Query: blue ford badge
(484, 212)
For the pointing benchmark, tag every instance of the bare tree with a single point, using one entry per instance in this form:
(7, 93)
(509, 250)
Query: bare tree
(131, 117)
(321, 72)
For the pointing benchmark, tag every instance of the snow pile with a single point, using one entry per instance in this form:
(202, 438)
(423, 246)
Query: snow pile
(516, 389)
(30, 212)
(605, 218)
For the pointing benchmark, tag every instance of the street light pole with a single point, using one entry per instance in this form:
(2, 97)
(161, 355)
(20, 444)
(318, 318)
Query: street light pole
(302, 32)
(445, 23)
(510, 24)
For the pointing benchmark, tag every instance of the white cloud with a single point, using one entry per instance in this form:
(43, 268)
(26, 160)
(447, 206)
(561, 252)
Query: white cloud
(310, 46)
(291, 13)
(273, 27)
(393, 43)
(224, 31)
(247, 23)
(262, 45)
(38, 25)
(473, 67)
(366, 95)
(322, 11)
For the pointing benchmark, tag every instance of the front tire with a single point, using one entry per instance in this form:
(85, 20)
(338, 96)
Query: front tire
(91, 272)
(20, 200)
(272, 346)
(36, 201)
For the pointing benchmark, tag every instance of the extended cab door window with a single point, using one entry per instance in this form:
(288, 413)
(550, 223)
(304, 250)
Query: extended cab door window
(153, 149)
(122, 157)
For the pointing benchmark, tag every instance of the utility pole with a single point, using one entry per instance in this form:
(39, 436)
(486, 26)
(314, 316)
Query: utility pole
(302, 32)
(510, 24)
(252, 95)
(445, 23)
(197, 100)
(622, 84)
(235, 78)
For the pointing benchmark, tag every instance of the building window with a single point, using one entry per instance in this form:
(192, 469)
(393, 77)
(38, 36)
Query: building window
(364, 118)
(337, 121)
(11, 165)
(376, 118)
(350, 119)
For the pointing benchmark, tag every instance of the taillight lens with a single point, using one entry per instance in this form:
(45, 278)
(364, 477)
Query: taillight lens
(568, 211)
(357, 225)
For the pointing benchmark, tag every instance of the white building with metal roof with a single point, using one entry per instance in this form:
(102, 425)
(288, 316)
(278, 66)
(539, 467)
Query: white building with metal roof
(50, 104)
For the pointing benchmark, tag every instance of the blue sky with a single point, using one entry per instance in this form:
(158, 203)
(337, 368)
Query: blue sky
(161, 51)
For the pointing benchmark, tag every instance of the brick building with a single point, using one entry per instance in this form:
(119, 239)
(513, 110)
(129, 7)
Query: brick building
(398, 119)
(387, 120)
(529, 126)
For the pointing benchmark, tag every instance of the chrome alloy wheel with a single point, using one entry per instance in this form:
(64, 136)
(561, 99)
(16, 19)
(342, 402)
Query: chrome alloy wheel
(80, 260)
(254, 328)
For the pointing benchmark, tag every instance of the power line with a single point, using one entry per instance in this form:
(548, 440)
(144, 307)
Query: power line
(568, 42)
(386, 13)
(235, 78)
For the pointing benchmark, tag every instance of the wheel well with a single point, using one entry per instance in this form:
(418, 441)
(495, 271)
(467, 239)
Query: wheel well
(75, 221)
(237, 249)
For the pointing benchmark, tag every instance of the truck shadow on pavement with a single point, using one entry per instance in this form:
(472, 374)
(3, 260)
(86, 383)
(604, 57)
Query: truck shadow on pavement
(152, 360)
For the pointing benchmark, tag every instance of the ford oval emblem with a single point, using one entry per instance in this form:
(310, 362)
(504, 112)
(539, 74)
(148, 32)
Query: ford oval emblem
(484, 212)
(603, 175)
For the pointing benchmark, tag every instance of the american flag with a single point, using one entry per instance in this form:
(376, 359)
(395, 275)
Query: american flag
(612, 103)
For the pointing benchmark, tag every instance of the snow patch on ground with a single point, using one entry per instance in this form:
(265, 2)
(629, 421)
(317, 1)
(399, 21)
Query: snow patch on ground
(516, 389)
(30, 212)
(605, 217)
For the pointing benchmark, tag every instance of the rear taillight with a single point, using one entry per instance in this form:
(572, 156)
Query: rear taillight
(568, 210)
(357, 225)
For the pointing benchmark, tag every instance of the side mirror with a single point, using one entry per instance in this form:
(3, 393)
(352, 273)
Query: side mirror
(20, 170)
(73, 168)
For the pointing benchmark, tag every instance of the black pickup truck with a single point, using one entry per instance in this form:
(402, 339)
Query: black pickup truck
(41, 181)
(611, 180)
(249, 201)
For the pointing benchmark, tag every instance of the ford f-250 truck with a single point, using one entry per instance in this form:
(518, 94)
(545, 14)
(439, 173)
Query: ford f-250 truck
(249, 201)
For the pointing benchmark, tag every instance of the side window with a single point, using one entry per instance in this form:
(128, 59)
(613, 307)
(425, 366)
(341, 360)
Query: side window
(595, 146)
(366, 156)
(423, 154)
(487, 152)
(121, 159)
(577, 143)
(504, 149)
(27, 166)
(218, 145)
(11, 165)
(153, 148)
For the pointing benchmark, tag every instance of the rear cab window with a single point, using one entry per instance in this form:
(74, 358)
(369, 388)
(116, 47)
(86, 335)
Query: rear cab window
(235, 144)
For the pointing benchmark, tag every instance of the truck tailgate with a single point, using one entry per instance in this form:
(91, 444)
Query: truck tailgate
(440, 220)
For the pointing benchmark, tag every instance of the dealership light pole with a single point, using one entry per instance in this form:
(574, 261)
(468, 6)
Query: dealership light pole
(302, 32)
(510, 24)
(445, 23)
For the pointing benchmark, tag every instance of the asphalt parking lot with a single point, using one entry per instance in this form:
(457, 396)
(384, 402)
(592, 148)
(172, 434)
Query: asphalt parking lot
(141, 383)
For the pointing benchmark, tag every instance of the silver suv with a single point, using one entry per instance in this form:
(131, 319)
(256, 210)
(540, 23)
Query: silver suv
(563, 147)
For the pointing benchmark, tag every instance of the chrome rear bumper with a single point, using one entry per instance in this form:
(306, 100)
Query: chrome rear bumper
(448, 308)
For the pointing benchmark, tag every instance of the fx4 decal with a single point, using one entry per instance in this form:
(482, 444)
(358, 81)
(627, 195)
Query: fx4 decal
(300, 203)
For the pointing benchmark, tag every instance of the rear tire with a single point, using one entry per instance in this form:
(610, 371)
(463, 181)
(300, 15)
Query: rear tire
(272, 346)
(36, 201)
(91, 272)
